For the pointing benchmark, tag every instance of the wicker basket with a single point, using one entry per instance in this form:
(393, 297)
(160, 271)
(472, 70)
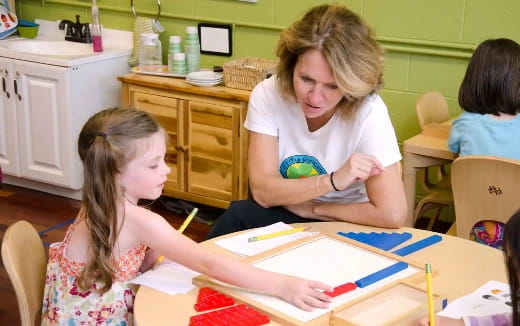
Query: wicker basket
(245, 73)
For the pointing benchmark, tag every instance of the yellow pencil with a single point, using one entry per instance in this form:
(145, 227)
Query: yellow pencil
(431, 309)
(275, 234)
(181, 229)
(188, 220)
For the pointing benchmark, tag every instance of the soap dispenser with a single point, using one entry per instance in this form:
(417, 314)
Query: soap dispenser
(96, 29)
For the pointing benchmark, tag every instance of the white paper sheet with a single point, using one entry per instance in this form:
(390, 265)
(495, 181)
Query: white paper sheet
(170, 278)
(494, 297)
(239, 244)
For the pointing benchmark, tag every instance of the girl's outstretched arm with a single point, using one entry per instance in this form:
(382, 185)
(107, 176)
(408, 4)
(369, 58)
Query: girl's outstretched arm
(154, 231)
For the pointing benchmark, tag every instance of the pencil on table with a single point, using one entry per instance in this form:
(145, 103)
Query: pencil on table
(431, 310)
(275, 234)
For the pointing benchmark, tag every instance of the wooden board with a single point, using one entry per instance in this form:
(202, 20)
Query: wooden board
(402, 304)
(332, 259)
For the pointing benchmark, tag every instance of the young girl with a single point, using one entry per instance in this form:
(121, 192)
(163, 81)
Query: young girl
(490, 95)
(113, 238)
(512, 260)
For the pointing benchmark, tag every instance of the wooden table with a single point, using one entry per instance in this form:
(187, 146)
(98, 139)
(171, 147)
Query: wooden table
(429, 148)
(462, 267)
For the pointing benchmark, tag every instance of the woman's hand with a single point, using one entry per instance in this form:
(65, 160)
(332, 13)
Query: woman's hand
(303, 293)
(358, 168)
(441, 321)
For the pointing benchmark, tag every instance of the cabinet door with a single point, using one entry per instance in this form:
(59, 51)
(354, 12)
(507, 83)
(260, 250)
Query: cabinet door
(168, 112)
(212, 144)
(43, 129)
(8, 128)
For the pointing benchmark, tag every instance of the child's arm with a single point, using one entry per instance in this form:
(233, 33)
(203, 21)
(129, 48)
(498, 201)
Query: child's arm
(155, 232)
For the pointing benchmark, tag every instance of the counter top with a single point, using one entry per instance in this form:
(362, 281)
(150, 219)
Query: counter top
(116, 43)
(180, 84)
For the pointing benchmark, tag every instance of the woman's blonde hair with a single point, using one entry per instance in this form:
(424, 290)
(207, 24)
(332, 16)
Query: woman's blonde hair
(106, 144)
(348, 44)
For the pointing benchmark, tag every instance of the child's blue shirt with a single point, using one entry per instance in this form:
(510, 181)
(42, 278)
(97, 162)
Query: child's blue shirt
(479, 134)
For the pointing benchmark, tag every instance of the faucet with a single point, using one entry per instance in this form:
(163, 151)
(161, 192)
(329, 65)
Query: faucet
(76, 32)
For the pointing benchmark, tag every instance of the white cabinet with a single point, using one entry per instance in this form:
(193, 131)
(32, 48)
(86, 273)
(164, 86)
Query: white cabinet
(42, 110)
(46, 98)
(36, 134)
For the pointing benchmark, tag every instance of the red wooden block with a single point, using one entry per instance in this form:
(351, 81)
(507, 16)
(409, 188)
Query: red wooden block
(340, 289)
(208, 299)
(240, 315)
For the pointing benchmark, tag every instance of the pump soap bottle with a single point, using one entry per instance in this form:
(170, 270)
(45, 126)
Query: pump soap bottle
(96, 29)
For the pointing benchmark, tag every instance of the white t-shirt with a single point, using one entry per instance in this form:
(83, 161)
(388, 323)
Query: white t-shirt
(303, 153)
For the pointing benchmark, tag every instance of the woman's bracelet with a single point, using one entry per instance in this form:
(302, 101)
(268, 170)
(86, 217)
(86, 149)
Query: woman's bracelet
(318, 184)
(332, 182)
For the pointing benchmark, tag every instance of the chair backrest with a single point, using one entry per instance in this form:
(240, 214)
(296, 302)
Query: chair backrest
(484, 188)
(25, 262)
(431, 107)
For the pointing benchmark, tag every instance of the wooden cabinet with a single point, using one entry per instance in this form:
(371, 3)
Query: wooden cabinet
(207, 149)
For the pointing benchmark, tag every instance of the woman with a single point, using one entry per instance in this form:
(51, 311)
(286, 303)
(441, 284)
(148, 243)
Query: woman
(322, 146)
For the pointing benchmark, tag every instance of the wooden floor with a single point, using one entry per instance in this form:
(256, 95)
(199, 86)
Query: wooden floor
(46, 212)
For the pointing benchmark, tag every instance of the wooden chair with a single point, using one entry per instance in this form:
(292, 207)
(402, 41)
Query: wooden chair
(484, 188)
(25, 262)
(431, 107)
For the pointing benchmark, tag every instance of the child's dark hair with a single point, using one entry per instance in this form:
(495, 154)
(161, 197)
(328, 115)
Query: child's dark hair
(492, 81)
(512, 258)
(105, 145)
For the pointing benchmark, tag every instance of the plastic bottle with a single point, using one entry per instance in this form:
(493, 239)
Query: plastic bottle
(192, 49)
(97, 41)
(173, 47)
(150, 52)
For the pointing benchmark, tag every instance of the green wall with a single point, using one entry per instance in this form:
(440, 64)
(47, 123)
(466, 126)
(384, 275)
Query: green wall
(427, 43)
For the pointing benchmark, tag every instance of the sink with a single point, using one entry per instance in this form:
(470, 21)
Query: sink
(47, 47)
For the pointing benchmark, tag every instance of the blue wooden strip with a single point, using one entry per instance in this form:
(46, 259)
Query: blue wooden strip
(421, 244)
(384, 241)
(379, 275)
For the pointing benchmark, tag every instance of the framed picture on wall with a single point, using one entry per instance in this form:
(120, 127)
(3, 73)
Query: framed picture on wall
(215, 39)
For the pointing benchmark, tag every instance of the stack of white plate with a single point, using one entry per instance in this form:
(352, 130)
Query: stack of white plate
(204, 78)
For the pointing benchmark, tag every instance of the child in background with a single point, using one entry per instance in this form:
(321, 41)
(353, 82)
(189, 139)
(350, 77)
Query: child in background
(512, 261)
(490, 95)
(113, 238)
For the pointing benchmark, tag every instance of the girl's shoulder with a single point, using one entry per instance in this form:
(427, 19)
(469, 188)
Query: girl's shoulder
(139, 215)
(468, 117)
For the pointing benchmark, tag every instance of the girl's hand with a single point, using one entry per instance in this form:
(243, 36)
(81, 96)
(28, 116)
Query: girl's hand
(441, 321)
(358, 168)
(303, 293)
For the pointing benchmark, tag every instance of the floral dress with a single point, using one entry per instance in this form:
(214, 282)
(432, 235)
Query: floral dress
(64, 303)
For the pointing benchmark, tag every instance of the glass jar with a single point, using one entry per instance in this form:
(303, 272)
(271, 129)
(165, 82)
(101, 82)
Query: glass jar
(150, 52)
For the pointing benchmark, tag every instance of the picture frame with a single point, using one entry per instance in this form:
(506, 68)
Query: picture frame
(215, 39)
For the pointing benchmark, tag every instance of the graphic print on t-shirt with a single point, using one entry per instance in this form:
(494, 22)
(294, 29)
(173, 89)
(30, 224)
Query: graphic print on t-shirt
(301, 166)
